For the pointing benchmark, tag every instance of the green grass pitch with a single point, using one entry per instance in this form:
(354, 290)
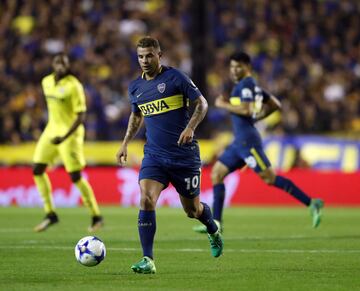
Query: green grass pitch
(265, 249)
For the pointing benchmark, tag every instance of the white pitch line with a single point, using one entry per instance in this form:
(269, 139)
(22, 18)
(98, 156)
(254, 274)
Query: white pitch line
(189, 250)
(15, 230)
(197, 238)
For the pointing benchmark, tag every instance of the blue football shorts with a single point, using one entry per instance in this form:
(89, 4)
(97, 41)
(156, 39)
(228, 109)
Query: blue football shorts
(184, 176)
(237, 156)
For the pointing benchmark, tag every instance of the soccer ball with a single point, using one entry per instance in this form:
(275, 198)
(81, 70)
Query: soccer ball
(90, 251)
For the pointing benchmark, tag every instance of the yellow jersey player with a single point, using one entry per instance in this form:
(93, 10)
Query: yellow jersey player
(64, 137)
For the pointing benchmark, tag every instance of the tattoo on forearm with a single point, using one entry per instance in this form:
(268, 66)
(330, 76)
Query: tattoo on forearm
(133, 126)
(198, 114)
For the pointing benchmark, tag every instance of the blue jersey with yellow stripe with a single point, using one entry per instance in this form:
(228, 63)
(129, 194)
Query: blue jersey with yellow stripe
(246, 90)
(163, 101)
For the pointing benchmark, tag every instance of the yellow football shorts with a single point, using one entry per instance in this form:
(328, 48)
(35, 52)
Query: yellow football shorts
(71, 151)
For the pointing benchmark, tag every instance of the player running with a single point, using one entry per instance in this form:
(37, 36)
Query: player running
(249, 103)
(160, 98)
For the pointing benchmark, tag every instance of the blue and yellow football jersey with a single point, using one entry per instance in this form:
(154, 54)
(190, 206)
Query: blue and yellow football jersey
(163, 101)
(247, 146)
(246, 90)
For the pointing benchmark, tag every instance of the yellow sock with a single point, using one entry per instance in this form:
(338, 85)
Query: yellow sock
(88, 196)
(44, 187)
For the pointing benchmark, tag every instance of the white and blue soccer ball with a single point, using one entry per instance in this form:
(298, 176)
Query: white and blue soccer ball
(90, 251)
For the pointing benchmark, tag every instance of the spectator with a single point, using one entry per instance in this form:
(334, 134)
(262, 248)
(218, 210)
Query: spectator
(305, 52)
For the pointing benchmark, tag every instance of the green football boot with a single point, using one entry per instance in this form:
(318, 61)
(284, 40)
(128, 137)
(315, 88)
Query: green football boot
(315, 209)
(202, 228)
(145, 266)
(216, 244)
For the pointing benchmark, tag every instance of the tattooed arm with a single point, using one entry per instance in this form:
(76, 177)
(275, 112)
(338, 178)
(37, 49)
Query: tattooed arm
(200, 110)
(134, 124)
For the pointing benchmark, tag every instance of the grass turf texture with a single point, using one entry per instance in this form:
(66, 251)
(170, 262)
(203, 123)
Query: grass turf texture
(265, 249)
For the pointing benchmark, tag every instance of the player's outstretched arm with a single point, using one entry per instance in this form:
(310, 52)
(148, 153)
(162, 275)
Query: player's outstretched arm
(79, 120)
(244, 109)
(271, 105)
(134, 124)
(201, 107)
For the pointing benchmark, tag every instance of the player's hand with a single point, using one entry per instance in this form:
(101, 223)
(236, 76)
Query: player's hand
(186, 136)
(57, 140)
(121, 155)
(220, 101)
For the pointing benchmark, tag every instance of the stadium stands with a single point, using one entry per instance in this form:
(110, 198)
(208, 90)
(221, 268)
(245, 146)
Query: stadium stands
(306, 52)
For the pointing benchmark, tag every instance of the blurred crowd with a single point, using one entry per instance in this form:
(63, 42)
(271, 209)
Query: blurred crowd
(305, 52)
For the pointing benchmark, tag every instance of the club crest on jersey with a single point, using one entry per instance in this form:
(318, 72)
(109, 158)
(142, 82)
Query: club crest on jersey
(161, 87)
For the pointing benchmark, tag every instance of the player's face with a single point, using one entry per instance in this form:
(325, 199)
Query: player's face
(149, 59)
(61, 65)
(238, 70)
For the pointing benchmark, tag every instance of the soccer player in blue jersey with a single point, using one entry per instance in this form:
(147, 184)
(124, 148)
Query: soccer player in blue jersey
(249, 103)
(160, 98)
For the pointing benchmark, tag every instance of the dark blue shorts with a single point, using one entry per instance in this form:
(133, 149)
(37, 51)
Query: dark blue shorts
(185, 177)
(236, 156)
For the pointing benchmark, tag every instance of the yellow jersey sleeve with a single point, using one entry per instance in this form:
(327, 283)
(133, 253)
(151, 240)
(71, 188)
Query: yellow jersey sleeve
(78, 97)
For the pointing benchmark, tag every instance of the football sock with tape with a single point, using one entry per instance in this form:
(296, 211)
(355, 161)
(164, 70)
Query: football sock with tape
(147, 229)
(44, 187)
(288, 186)
(207, 219)
(88, 196)
(218, 204)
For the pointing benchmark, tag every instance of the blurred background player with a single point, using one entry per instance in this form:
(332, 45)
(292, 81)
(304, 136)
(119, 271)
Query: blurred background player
(249, 103)
(160, 98)
(63, 136)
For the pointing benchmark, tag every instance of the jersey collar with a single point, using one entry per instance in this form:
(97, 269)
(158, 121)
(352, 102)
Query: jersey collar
(162, 69)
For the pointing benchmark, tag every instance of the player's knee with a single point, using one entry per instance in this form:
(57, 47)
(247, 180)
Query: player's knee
(268, 179)
(147, 202)
(75, 176)
(216, 177)
(38, 169)
(192, 212)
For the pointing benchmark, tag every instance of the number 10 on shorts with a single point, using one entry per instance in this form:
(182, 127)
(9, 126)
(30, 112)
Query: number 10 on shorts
(192, 182)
